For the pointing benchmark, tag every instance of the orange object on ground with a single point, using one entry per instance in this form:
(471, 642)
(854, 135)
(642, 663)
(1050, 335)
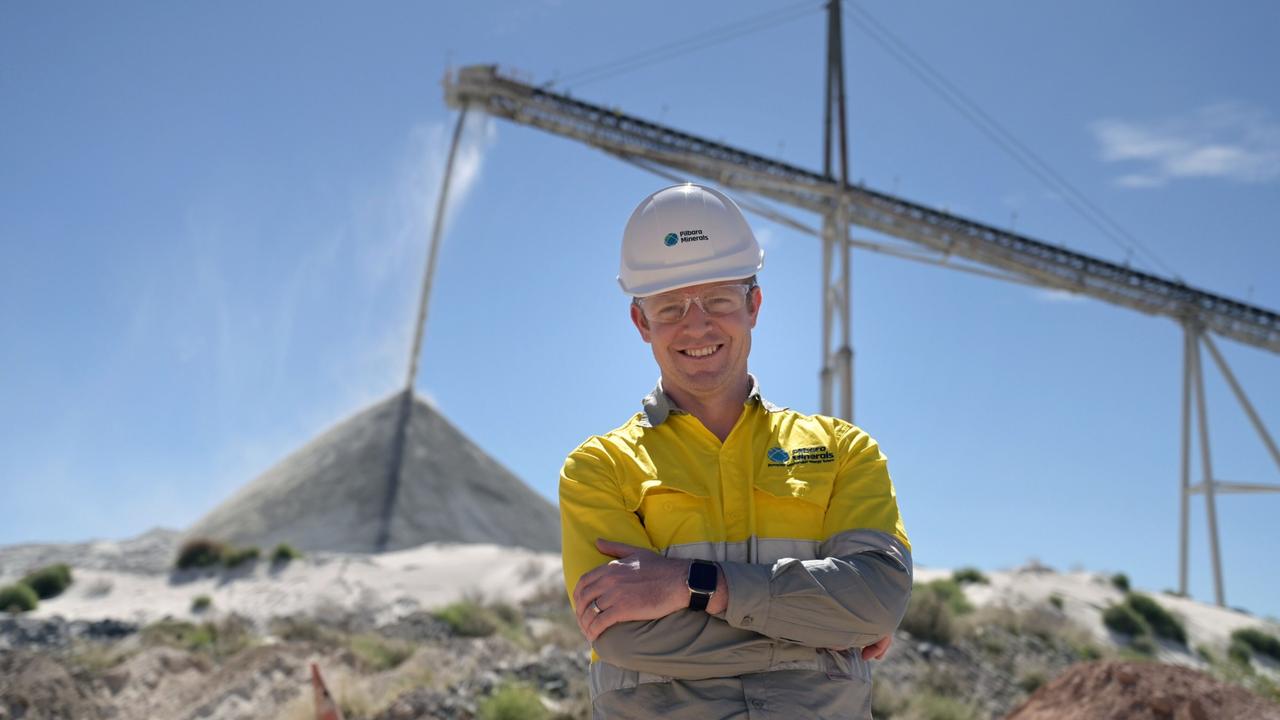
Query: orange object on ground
(326, 707)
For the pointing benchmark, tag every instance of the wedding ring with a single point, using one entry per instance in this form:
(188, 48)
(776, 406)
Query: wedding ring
(596, 607)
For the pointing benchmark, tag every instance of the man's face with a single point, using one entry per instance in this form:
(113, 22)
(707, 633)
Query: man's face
(701, 353)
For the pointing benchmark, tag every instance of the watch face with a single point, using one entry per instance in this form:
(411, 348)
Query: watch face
(702, 577)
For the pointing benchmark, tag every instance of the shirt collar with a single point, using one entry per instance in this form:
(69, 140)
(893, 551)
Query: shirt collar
(658, 404)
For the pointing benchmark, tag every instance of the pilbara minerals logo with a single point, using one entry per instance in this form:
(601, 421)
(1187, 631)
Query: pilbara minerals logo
(817, 454)
(671, 240)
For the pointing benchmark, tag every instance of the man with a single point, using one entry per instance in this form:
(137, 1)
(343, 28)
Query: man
(726, 557)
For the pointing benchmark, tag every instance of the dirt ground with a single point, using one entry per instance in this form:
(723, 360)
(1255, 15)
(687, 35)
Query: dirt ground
(1116, 690)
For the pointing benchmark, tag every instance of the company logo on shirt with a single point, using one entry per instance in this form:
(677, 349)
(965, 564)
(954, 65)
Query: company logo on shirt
(817, 454)
(671, 239)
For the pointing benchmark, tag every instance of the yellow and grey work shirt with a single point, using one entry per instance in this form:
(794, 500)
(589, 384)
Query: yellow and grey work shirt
(799, 512)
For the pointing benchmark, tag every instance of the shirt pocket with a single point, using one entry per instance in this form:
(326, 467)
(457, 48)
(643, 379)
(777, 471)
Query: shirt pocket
(793, 503)
(674, 512)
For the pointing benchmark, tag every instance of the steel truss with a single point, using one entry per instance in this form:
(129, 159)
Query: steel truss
(939, 237)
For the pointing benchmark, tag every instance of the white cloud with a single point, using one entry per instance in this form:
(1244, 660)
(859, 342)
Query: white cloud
(1230, 141)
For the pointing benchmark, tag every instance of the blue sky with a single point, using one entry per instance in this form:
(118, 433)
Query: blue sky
(213, 220)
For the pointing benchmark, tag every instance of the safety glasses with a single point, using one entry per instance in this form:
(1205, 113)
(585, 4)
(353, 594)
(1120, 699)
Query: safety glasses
(716, 301)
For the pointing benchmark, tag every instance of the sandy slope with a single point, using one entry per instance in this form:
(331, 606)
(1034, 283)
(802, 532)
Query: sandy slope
(1085, 595)
(131, 580)
(384, 586)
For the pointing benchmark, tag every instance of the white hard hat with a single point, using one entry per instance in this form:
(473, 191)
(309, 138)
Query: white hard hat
(686, 235)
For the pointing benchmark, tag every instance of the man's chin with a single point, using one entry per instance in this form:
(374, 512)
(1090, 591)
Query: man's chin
(703, 380)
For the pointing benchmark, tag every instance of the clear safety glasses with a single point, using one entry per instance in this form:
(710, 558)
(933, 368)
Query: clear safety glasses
(718, 300)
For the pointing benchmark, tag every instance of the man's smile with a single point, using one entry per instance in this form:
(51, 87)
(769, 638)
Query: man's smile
(701, 352)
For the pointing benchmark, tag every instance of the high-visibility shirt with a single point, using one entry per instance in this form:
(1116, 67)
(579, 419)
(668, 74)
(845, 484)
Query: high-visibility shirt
(801, 516)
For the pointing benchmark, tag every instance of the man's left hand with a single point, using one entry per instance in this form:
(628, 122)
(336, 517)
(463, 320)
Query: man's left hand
(877, 649)
(639, 585)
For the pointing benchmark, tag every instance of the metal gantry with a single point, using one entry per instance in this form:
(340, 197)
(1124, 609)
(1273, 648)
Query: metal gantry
(932, 236)
(1194, 335)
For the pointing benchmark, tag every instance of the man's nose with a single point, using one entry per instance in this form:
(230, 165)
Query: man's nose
(696, 319)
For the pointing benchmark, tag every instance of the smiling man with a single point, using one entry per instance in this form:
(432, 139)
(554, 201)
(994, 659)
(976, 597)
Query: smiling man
(725, 557)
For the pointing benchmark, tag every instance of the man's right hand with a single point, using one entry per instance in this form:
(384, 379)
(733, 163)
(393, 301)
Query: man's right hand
(639, 585)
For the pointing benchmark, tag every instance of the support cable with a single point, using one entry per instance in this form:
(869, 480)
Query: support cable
(1002, 137)
(684, 46)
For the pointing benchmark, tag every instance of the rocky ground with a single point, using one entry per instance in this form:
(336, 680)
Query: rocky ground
(416, 668)
(126, 641)
(424, 667)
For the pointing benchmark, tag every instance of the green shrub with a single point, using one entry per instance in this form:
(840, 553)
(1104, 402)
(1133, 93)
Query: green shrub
(469, 618)
(512, 702)
(96, 657)
(1161, 621)
(179, 634)
(235, 557)
(951, 593)
(303, 629)
(199, 553)
(378, 652)
(18, 598)
(1056, 600)
(932, 706)
(221, 639)
(49, 582)
(931, 613)
(991, 643)
(1121, 582)
(283, 553)
(1258, 641)
(508, 614)
(969, 575)
(1143, 645)
(1124, 620)
(1031, 681)
(887, 701)
(1206, 654)
(201, 603)
(1086, 650)
(1240, 652)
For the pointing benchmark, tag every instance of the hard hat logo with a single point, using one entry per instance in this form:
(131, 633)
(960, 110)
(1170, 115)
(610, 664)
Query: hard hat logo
(712, 242)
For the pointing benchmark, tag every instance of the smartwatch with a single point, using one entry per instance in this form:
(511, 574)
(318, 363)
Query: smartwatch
(702, 583)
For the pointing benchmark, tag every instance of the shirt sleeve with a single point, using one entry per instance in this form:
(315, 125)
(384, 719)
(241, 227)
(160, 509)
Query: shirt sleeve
(686, 644)
(592, 506)
(857, 591)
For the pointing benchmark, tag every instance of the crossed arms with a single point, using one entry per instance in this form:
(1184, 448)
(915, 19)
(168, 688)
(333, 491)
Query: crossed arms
(853, 596)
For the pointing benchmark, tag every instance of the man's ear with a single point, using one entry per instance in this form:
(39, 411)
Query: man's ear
(642, 324)
(753, 302)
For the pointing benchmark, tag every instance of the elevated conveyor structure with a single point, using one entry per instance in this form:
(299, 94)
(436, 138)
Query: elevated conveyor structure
(1036, 261)
(940, 235)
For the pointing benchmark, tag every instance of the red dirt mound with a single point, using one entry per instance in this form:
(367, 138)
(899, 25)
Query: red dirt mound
(1141, 691)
